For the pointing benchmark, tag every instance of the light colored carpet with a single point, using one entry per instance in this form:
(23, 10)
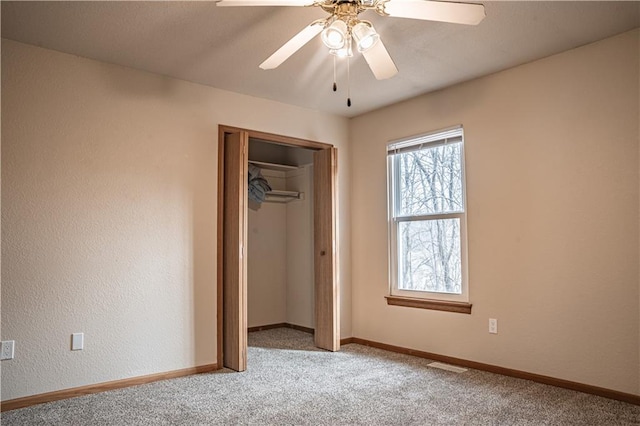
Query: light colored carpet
(289, 382)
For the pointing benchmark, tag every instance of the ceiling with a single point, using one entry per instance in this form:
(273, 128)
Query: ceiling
(222, 47)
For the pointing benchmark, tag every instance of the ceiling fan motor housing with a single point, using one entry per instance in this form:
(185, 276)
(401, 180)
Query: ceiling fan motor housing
(344, 24)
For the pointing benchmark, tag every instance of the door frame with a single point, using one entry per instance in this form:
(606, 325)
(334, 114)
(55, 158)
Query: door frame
(331, 315)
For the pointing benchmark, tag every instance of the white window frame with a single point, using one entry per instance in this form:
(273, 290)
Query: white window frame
(428, 140)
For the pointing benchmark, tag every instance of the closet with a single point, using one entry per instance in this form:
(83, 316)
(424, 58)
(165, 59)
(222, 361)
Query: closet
(286, 256)
(280, 277)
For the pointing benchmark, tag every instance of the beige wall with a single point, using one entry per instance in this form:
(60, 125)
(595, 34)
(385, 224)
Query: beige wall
(300, 247)
(552, 180)
(280, 254)
(267, 259)
(109, 216)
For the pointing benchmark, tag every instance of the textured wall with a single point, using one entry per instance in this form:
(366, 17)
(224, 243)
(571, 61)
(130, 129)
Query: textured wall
(109, 216)
(267, 259)
(300, 276)
(552, 181)
(280, 257)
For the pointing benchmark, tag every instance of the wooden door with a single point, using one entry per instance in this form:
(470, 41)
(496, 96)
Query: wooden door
(234, 275)
(232, 229)
(327, 334)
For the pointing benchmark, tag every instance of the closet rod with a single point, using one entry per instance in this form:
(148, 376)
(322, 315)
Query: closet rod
(284, 196)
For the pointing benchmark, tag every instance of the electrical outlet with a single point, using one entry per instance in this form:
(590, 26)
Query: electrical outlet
(493, 326)
(7, 349)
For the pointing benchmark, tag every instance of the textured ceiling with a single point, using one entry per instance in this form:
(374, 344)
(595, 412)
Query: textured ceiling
(222, 47)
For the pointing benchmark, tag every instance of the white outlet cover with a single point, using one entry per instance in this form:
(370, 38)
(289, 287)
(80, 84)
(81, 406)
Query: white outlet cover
(77, 341)
(493, 326)
(7, 349)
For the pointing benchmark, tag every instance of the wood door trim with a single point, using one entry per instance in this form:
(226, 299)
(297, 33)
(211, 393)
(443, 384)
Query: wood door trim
(271, 137)
(234, 271)
(327, 335)
(220, 248)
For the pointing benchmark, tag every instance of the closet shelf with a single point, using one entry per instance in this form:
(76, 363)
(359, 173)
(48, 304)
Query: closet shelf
(284, 196)
(273, 166)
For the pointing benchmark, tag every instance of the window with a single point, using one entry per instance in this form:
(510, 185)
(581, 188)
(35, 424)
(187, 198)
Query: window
(427, 217)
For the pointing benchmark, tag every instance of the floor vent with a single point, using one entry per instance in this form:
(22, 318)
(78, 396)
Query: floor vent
(447, 367)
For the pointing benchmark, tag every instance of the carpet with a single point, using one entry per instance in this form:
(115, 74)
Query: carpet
(290, 382)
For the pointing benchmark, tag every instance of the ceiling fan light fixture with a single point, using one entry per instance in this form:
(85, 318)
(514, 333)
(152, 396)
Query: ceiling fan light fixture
(365, 36)
(344, 52)
(335, 35)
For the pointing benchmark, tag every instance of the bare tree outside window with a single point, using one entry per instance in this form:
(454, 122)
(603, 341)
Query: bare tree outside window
(428, 207)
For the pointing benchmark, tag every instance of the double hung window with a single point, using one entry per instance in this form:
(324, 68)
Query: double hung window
(427, 217)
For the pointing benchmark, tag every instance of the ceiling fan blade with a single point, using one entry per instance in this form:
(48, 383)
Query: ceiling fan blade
(456, 13)
(380, 62)
(265, 3)
(293, 45)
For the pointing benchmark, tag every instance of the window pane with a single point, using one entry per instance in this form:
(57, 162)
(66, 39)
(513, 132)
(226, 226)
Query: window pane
(429, 256)
(430, 180)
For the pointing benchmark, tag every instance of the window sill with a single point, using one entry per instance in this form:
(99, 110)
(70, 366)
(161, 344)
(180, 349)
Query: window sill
(437, 305)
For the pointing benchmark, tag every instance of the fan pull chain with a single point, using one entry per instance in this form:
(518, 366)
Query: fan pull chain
(348, 82)
(335, 86)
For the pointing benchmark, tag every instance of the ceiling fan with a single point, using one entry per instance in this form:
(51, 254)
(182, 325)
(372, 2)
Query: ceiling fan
(343, 26)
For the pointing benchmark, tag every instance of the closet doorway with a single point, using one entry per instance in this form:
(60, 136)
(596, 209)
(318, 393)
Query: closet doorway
(233, 159)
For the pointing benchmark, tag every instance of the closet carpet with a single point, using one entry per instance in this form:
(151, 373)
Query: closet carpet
(289, 382)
